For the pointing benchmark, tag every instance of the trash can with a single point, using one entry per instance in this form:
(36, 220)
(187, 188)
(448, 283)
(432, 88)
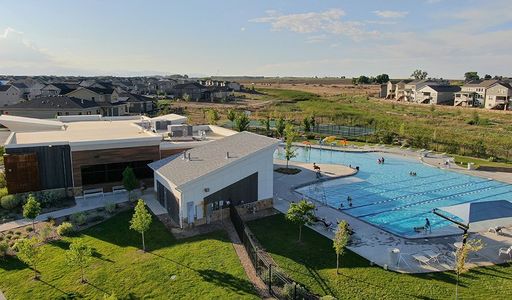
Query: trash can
(393, 256)
(471, 166)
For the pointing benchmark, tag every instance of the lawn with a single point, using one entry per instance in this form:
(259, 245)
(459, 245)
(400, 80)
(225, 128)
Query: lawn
(205, 267)
(313, 263)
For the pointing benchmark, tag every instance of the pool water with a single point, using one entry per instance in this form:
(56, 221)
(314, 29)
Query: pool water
(386, 196)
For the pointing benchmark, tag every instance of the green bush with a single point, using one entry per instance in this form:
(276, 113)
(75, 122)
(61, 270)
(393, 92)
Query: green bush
(96, 218)
(66, 229)
(294, 291)
(29, 229)
(110, 208)
(3, 249)
(10, 202)
(3, 182)
(79, 218)
(3, 191)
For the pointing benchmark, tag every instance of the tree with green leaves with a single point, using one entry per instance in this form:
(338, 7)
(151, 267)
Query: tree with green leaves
(141, 220)
(280, 126)
(363, 79)
(242, 122)
(340, 241)
(471, 76)
(31, 210)
(312, 122)
(419, 74)
(290, 135)
(461, 256)
(28, 251)
(382, 78)
(231, 116)
(301, 213)
(306, 124)
(130, 182)
(79, 255)
(213, 116)
(265, 122)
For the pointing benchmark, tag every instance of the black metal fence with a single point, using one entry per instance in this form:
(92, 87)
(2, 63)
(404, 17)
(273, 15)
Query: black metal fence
(279, 285)
(343, 131)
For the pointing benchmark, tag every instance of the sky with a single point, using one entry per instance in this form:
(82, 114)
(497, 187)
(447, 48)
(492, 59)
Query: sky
(349, 38)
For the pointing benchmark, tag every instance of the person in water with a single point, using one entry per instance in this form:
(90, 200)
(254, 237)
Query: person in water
(428, 226)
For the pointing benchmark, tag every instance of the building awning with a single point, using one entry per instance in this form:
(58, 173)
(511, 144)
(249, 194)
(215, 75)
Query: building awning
(480, 216)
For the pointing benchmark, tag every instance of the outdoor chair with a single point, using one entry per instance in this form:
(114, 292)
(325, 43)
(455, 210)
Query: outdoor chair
(507, 251)
(422, 259)
(497, 230)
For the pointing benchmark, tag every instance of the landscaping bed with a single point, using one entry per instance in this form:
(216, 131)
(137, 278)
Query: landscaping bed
(287, 171)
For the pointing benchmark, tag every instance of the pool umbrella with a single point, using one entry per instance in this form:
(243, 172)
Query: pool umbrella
(478, 216)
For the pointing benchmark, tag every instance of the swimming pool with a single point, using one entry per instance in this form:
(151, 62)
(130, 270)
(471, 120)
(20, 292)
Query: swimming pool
(387, 196)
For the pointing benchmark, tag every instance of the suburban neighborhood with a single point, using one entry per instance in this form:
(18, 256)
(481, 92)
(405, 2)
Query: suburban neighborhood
(255, 150)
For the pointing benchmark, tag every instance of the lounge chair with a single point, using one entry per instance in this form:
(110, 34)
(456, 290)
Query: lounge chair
(432, 255)
(497, 230)
(507, 251)
(422, 259)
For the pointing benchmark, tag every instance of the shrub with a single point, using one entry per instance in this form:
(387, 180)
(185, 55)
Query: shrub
(17, 233)
(96, 218)
(3, 249)
(327, 297)
(3, 191)
(294, 291)
(10, 202)
(65, 229)
(79, 219)
(46, 232)
(29, 229)
(110, 208)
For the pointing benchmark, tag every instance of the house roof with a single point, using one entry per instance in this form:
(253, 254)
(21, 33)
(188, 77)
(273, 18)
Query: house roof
(65, 87)
(505, 84)
(129, 97)
(101, 91)
(481, 83)
(189, 85)
(20, 85)
(4, 88)
(211, 157)
(444, 88)
(55, 102)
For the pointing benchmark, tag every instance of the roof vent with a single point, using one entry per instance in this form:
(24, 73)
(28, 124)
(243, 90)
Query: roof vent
(184, 155)
(227, 155)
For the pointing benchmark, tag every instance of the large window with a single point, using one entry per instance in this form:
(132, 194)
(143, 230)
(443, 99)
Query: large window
(96, 174)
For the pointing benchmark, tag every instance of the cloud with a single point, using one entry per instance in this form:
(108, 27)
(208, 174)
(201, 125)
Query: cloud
(17, 50)
(326, 22)
(392, 14)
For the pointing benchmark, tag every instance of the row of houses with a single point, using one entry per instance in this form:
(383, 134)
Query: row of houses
(489, 94)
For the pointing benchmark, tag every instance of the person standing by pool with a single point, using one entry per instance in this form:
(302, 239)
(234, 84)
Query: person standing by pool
(349, 200)
(382, 159)
(428, 226)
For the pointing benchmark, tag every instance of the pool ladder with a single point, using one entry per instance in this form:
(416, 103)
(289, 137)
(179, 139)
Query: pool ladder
(319, 189)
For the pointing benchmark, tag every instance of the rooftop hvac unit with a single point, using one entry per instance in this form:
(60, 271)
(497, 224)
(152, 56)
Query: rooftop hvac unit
(180, 132)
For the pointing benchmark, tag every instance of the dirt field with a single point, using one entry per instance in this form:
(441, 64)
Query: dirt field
(325, 89)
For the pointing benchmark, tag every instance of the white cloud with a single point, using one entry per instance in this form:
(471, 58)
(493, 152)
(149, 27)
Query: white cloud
(326, 22)
(392, 14)
(242, 29)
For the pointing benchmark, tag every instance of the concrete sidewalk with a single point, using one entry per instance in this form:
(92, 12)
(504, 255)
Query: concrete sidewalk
(82, 204)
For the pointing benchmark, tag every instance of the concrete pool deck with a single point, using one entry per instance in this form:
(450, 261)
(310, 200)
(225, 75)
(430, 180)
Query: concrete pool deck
(375, 244)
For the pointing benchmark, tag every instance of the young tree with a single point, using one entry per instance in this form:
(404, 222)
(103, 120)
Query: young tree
(231, 116)
(31, 210)
(382, 78)
(340, 241)
(419, 74)
(289, 151)
(141, 220)
(213, 116)
(79, 255)
(470, 76)
(130, 182)
(242, 122)
(306, 124)
(266, 123)
(363, 79)
(280, 126)
(301, 213)
(312, 121)
(186, 97)
(28, 252)
(487, 77)
(461, 257)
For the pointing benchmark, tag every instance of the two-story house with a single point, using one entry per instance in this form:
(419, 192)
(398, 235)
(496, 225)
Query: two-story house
(473, 94)
(9, 95)
(107, 99)
(437, 94)
(499, 96)
(411, 88)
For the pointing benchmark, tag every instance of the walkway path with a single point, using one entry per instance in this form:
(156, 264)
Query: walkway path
(89, 203)
(256, 281)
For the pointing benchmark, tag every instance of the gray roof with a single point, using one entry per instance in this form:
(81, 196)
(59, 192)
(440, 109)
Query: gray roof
(211, 157)
(445, 88)
(4, 88)
(481, 83)
(54, 102)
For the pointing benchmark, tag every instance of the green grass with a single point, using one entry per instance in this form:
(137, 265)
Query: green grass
(206, 267)
(313, 264)
(479, 162)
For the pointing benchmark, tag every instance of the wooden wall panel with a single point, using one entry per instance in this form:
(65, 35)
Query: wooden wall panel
(21, 172)
(107, 156)
(169, 152)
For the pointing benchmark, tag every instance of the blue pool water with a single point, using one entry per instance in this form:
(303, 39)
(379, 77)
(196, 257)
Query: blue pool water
(386, 195)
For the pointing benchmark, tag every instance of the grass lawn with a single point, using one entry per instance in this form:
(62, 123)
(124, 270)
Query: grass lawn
(206, 267)
(313, 264)
(464, 160)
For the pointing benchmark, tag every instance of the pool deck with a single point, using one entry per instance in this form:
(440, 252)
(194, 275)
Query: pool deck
(375, 244)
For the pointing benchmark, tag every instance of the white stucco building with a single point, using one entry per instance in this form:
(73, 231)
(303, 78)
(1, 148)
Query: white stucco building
(237, 169)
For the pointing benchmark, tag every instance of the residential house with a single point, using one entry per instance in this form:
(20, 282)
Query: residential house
(50, 90)
(9, 94)
(388, 90)
(437, 94)
(24, 90)
(411, 88)
(138, 104)
(194, 90)
(107, 99)
(473, 93)
(399, 93)
(216, 93)
(499, 96)
(51, 107)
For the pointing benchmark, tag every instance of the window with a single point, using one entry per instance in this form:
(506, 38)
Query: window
(88, 112)
(114, 172)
